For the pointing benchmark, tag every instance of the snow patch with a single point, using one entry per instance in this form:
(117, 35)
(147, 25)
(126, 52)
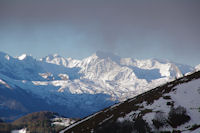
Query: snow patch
(197, 68)
(22, 57)
(7, 57)
(62, 121)
(19, 131)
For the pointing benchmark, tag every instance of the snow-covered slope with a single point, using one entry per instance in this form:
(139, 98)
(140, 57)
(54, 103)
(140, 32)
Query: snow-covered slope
(92, 83)
(172, 107)
(16, 96)
(197, 68)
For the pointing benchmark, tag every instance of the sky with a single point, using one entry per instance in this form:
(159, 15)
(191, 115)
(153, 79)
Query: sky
(141, 29)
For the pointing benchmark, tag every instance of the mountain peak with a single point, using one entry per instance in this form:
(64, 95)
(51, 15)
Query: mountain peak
(197, 68)
(24, 57)
(52, 56)
(161, 60)
(104, 55)
(4, 55)
(56, 55)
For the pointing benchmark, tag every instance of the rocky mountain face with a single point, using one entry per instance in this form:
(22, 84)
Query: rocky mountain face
(77, 88)
(171, 107)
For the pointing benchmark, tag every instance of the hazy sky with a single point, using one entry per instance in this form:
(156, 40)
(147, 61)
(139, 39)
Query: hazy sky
(166, 29)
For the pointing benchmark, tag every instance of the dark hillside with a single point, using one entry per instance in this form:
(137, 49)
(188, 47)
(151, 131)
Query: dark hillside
(38, 122)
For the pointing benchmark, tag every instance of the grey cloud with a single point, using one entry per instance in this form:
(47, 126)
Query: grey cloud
(136, 24)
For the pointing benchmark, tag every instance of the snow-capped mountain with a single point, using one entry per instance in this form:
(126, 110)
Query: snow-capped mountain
(197, 68)
(171, 107)
(92, 83)
(119, 77)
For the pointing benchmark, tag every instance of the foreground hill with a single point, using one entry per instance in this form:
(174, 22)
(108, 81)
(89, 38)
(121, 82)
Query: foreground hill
(37, 122)
(174, 106)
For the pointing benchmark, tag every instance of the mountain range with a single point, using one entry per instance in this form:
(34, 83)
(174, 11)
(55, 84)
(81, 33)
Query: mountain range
(77, 88)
